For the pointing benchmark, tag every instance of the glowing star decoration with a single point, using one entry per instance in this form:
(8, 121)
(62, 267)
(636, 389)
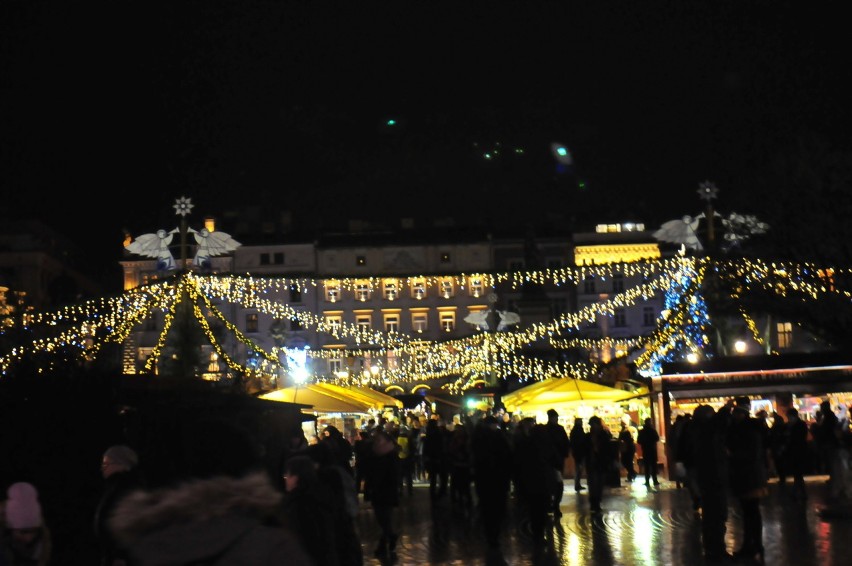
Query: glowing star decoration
(155, 245)
(183, 206)
(707, 191)
(681, 232)
(211, 244)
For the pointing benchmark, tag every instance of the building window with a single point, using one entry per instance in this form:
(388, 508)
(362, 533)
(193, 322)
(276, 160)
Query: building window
(295, 294)
(335, 363)
(418, 289)
(251, 322)
(617, 283)
(447, 287)
(477, 288)
(361, 260)
(419, 322)
(785, 334)
(390, 289)
(264, 259)
(448, 321)
(619, 318)
(391, 322)
(621, 350)
(333, 323)
(363, 290)
(364, 322)
(332, 291)
(278, 258)
(392, 360)
(649, 317)
(445, 257)
(589, 285)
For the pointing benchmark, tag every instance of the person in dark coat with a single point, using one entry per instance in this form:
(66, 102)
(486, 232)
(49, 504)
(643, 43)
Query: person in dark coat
(435, 458)
(648, 438)
(600, 459)
(382, 490)
(579, 448)
(748, 476)
(710, 457)
(222, 511)
(627, 450)
(533, 475)
(120, 472)
(342, 449)
(492, 477)
(794, 452)
(561, 450)
(308, 510)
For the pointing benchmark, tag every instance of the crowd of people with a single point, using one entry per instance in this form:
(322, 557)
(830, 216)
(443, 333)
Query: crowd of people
(228, 509)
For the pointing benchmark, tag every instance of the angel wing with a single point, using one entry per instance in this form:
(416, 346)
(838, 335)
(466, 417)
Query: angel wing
(681, 232)
(155, 245)
(740, 227)
(212, 244)
(508, 319)
(478, 319)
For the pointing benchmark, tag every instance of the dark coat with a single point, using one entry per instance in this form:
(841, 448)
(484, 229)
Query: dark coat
(492, 460)
(747, 458)
(382, 481)
(218, 521)
(116, 486)
(579, 439)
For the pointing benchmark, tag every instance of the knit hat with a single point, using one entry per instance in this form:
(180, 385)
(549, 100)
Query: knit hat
(23, 510)
(122, 455)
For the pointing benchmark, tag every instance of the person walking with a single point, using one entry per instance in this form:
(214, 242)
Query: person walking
(794, 453)
(120, 472)
(600, 459)
(533, 476)
(435, 458)
(579, 448)
(648, 438)
(561, 450)
(381, 489)
(492, 477)
(748, 477)
(627, 451)
(710, 457)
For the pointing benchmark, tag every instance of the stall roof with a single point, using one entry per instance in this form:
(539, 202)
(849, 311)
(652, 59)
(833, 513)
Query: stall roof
(321, 399)
(561, 392)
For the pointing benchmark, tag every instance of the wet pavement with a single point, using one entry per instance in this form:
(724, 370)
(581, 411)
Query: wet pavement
(638, 526)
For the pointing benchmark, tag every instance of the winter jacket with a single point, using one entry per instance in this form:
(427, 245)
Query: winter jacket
(218, 521)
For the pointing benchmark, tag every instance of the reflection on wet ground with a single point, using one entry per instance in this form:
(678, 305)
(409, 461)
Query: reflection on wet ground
(638, 527)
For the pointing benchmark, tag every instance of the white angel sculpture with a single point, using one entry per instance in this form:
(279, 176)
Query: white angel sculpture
(740, 227)
(480, 319)
(681, 231)
(155, 245)
(211, 244)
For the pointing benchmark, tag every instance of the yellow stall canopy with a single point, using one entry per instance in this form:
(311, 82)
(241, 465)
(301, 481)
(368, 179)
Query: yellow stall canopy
(321, 400)
(329, 398)
(563, 392)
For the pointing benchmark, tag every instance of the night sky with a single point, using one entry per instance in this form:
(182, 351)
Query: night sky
(112, 110)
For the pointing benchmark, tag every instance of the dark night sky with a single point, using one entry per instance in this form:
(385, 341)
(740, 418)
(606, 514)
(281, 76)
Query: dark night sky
(111, 110)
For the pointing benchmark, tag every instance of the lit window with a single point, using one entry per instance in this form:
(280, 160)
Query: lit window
(419, 322)
(392, 322)
(363, 289)
(332, 291)
(251, 322)
(620, 350)
(477, 287)
(418, 289)
(364, 322)
(333, 323)
(448, 321)
(447, 288)
(390, 289)
(619, 318)
(335, 363)
(392, 360)
(785, 334)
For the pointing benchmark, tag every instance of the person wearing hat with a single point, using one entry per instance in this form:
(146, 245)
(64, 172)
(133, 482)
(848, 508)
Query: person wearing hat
(561, 450)
(25, 539)
(119, 469)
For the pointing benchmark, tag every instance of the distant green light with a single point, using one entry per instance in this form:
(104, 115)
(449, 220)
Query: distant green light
(391, 122)
(561, 151)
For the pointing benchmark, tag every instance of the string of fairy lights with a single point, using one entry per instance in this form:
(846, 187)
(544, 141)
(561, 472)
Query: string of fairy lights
(681, 326)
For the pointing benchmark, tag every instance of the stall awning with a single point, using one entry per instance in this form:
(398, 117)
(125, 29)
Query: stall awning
(321, 399)
(562, 392)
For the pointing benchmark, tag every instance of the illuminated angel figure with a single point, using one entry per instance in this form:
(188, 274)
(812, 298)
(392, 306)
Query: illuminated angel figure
(480, 319)
(740, 227)
(681, 232)
(155, 245)
(211, 244)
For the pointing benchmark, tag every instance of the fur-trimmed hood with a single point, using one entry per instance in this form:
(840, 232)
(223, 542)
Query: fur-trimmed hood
(196, 518)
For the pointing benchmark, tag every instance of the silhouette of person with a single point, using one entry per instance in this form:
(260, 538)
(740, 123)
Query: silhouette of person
(648, 438)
